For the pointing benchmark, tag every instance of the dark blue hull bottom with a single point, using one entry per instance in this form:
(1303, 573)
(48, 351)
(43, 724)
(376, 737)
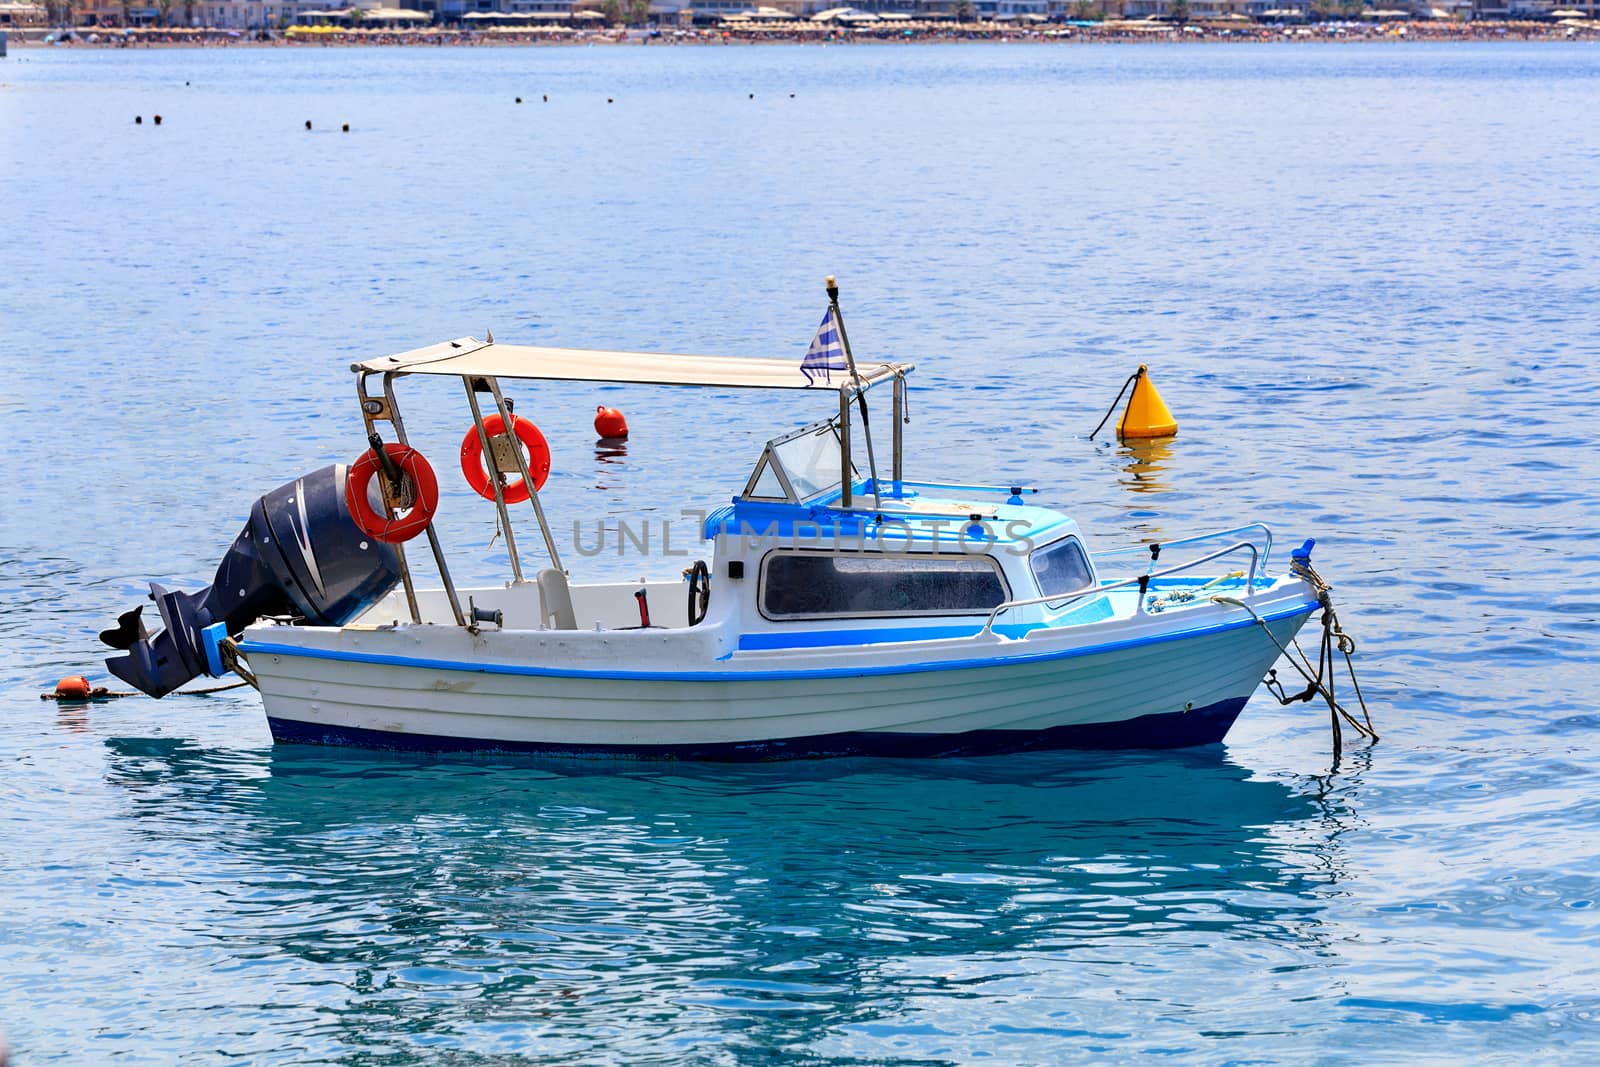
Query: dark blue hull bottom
(1184, 729)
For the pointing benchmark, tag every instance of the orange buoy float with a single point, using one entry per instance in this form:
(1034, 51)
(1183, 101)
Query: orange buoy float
(1146, 414)
(74, 687)
(424, 495)
(608, 422)
(535, 449)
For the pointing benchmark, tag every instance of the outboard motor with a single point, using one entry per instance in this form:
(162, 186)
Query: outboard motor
(299, 555)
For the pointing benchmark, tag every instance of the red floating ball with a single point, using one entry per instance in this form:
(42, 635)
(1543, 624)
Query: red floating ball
(74, 687)
(608, 422)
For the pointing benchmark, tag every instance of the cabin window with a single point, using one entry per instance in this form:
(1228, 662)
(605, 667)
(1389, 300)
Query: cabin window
(1061, 568)
(800, 585)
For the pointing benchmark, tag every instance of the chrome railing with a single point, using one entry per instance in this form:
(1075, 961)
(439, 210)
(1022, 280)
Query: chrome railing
(1143, 581)
(1266, 552)
(957, 487)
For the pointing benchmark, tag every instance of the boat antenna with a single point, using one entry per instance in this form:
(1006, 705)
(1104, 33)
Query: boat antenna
(861, 395)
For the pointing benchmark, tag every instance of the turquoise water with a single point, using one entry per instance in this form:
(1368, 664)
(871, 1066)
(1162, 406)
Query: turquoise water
(1364, 278)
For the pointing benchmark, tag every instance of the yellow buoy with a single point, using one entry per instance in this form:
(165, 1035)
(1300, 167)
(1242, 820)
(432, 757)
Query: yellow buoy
(1147, 414)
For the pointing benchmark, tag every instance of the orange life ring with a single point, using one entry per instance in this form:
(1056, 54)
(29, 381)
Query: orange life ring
(538, 456)
(424, 489)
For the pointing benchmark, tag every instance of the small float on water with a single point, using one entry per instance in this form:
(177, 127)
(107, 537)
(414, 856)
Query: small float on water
(834, 613)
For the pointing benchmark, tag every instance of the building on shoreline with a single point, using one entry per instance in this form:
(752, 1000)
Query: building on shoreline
(454, 11)
(1533, 9)
(18, 14)
(217, 14)
(1005, 10)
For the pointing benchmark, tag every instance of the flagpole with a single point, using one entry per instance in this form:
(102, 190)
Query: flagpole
(861, 397)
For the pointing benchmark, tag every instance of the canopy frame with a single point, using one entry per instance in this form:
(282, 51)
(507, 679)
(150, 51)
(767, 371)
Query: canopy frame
(481, 364)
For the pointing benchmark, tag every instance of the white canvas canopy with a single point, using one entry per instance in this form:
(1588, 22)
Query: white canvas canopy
(469, 357)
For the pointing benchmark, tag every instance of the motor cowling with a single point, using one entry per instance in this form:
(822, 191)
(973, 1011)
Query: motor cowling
(300, 555)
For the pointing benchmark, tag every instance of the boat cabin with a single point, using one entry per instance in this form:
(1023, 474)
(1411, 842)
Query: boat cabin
(918, 560)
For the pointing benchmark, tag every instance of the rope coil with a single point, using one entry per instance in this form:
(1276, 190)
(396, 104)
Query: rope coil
(1157, 604)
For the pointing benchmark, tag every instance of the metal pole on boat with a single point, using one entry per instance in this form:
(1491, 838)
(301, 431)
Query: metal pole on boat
(898, 415)
(497, 475)
(373, 410)
(433, 536)
(527, 476)
(861, 395)
(844, 446)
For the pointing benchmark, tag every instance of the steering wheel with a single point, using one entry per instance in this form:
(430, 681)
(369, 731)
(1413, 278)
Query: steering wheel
(699, 592)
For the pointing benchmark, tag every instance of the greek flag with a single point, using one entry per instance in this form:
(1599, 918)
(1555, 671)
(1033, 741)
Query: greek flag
(825, 354)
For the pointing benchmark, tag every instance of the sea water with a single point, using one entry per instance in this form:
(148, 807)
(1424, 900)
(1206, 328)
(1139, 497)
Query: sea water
(1364, 278)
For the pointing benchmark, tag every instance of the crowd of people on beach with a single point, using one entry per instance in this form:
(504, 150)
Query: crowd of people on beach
(1129, 31)
(748, 32)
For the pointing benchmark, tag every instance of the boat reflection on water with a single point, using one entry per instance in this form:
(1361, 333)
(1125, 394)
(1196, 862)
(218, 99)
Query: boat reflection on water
(577, 899)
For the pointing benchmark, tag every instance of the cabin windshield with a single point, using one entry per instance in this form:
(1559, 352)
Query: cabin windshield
(799, 465)
(811, 460)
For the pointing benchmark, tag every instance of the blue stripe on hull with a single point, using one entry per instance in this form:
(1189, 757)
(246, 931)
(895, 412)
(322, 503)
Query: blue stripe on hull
(1199, 726)
(1010, 658)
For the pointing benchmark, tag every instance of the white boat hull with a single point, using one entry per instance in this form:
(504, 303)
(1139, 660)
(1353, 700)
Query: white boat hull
(1133, 685)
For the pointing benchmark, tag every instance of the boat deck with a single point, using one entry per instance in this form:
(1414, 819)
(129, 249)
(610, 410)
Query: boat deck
(611, 608)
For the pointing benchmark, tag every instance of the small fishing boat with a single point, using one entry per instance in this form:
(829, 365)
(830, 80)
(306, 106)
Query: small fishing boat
(834, 612)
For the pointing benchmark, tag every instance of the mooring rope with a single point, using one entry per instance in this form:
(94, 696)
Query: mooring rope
(100, 692)
(232, 659)
(1131, 379)
(1334, 633)
(1320, 682)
